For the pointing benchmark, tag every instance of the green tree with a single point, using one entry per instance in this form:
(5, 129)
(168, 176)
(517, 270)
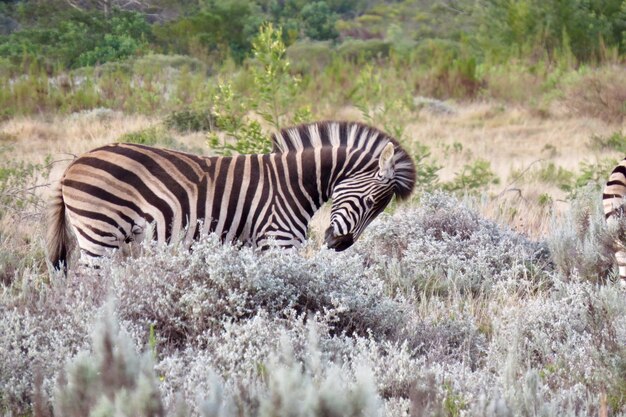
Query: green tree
(218, 27)
(319, 21)
(76, 38)
(585, 27)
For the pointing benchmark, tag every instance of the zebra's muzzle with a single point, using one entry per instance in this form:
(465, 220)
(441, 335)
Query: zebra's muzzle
(338, 243)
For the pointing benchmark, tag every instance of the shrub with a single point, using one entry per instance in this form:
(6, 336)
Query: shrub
(189, 120)
(580, 243)
(445, 246)
(21, 207)
(150, 136)
(309, 56)
(473, 177)
(357, 50)
(592, 174)
(547, 173)
(79, 38)
(275, 100)
(598, 93)
(435, 309)
(212, 291)
(113, 380)
(319, 21)
(614, 142)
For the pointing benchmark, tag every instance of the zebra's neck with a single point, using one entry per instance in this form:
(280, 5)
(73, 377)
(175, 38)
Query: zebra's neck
(301, 182)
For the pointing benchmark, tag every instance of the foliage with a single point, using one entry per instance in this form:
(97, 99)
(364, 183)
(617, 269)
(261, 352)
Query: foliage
(583, 27)
(370, 96)
(188, 120)
(113, 380)
(357, 50)
(426, 169)
(444, 246)
(592, 174)
(18, 184)
(614, 142)
(319, 21)
(217, 30)
(150, 136)
(473, 177)
(247, 135)
(581, 245)
(547, 173)
(21, 201)
(276, 90)
(79, 38)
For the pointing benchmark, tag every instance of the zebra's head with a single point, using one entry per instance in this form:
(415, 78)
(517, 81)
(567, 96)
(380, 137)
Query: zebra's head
(358, 199)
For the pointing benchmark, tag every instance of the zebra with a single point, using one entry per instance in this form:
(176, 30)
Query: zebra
(613, 205)
(114, 194)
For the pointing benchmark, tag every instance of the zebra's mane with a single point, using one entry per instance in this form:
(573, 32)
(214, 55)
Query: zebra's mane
(352, 135)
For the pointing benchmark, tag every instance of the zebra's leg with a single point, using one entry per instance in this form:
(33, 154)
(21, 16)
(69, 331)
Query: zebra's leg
(96, 238)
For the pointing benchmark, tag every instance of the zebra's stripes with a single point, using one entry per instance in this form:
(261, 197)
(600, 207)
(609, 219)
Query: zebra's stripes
(112, 194)
(614, 209)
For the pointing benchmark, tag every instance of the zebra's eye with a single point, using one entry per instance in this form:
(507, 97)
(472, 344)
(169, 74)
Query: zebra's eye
(369, 201)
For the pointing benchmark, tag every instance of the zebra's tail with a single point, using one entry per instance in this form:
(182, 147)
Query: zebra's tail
(58, 232)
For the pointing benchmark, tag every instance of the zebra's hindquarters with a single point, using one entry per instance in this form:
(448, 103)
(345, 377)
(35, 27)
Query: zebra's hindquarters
(614, 209)
(113, 193)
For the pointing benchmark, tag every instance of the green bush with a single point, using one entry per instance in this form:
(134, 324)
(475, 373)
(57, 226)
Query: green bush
(547, 173)
(592, 174)
(553, 28)
(475, 176)
(363, 50)
(189, 120)
(319, 21)
(219, 29)
(615, 142)
(78, 38)
(307, 55)
(150, 136)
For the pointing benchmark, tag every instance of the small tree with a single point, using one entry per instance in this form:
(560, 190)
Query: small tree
(276, 93)
(319, 21)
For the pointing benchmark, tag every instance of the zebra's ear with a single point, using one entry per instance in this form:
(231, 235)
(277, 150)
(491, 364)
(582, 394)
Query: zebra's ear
(385, 162)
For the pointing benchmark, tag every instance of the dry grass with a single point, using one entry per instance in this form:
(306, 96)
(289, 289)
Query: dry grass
(513, 139)
(31, 139)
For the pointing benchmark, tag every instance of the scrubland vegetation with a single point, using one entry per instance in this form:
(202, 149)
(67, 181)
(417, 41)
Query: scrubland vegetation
(492, 292)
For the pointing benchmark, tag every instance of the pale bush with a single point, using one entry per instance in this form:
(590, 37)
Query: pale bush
(183, 295)
(581, 243)
(444, 245)
(435, 311)
(111, 380)
(41, 327)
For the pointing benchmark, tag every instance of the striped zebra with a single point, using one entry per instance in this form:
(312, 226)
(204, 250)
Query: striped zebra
(113, 194)
(613, 204)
